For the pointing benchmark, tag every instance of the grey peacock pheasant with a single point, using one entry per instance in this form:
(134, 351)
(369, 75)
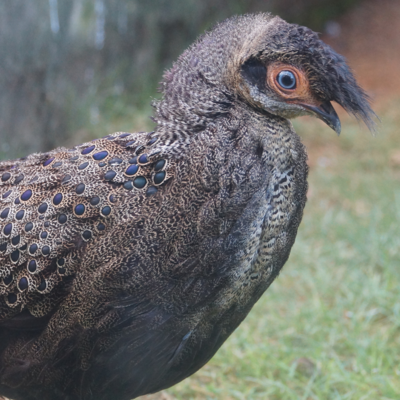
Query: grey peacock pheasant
(126, 262)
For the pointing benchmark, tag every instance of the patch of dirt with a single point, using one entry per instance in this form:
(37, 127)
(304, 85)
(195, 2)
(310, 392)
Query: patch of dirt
(156, 396)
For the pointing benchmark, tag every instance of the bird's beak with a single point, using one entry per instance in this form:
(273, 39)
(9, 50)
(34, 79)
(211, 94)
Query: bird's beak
(326, 113)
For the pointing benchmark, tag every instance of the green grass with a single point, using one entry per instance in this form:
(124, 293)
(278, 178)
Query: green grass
(329, 326)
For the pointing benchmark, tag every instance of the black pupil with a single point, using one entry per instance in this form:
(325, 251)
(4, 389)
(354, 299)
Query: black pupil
(287, 80)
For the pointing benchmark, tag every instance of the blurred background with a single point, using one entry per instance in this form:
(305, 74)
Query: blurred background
(329, 327)
(78, 69)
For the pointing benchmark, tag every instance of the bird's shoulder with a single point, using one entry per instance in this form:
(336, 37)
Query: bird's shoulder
(56, 206)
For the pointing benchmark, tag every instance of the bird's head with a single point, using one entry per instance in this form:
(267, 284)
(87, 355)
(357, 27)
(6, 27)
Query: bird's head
(288, 71)
(270, 65)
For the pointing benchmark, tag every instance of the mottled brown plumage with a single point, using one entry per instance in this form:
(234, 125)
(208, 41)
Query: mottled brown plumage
(126, 262)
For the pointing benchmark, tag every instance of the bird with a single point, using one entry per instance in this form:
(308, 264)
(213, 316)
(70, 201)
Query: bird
(127, 261)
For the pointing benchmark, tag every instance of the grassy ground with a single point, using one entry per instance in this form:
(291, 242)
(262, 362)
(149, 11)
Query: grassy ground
(329, 327)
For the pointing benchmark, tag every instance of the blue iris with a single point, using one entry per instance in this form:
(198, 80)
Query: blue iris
(286, 80)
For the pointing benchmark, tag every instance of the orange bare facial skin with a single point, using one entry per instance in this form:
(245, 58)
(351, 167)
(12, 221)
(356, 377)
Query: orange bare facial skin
(301, 94)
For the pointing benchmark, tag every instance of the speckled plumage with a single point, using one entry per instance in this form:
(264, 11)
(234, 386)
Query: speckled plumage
(126, 262)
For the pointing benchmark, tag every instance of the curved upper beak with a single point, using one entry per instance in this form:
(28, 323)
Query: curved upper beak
(326, 113)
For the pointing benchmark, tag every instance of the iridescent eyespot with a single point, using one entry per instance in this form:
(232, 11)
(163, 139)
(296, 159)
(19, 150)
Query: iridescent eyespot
(87, 235)
(101, 155)
(128, 185)
(15, 240)
(26, 195)
(32, 266)
(60, 262)
(88, 150)
(110, 175)
(23, 283)
(57, 199)
(20, 214)
(94, 201)
(14, 256)
(42, 208)
(7, 229)
(12, 298)
(140, 182)
(48, 162)
(106, 210)
(80, 188)
(42, 286)
(132, 169)
(6, 176)
(79, 209)
(159, 177)
(62, 218)
(5, 212)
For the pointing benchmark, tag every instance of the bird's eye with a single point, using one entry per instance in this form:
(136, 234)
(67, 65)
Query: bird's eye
(286, 80)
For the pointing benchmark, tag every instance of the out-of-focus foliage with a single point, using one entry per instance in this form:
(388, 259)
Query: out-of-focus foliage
(68, 65)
